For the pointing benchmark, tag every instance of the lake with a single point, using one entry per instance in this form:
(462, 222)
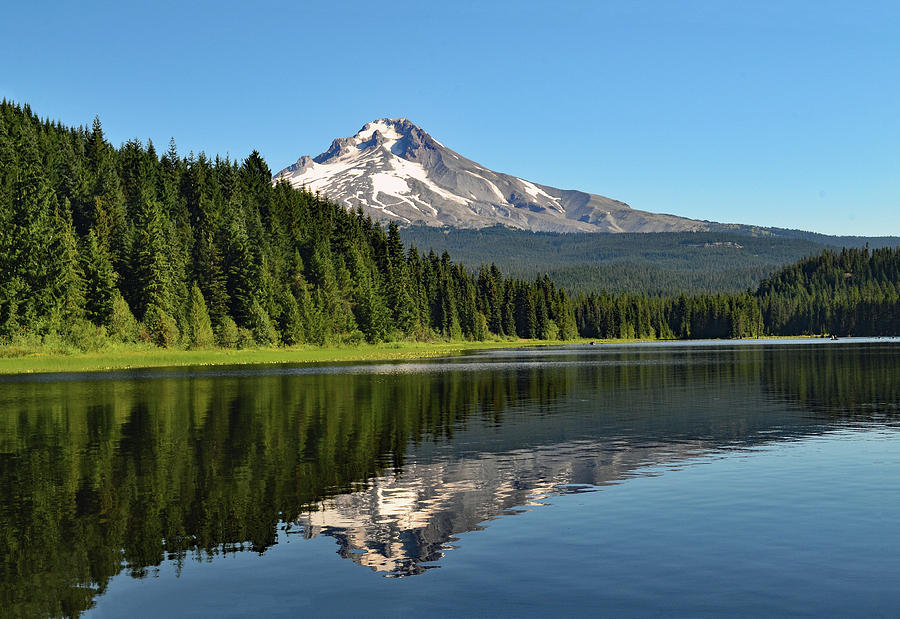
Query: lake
(691, 479)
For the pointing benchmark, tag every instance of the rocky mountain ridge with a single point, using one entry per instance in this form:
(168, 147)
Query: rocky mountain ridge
(394, 170)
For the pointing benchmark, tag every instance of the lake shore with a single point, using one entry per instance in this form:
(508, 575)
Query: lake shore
(136, 356)
(132, 357)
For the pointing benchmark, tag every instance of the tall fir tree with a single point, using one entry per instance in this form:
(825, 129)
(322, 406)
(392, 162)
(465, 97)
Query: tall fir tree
(100, 281)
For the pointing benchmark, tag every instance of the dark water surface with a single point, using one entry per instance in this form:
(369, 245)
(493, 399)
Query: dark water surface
(676, 479)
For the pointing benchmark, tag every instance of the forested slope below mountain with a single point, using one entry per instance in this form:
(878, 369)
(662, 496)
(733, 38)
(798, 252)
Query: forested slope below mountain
(847, 292)
(853, 291)
(649, 263)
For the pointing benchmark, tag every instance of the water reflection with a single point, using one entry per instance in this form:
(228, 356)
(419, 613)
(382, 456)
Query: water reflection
(402, 523)
(391, 460)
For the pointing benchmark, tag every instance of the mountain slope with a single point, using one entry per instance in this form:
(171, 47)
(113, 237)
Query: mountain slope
(395, 170)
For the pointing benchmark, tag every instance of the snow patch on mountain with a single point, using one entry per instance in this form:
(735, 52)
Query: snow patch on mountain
(393, 169)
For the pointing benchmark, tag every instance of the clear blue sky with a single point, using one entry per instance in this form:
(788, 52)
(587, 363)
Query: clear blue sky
(773, 113)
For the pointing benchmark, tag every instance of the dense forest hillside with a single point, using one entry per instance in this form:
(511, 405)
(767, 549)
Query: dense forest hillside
(99, 242)
(846, 292)
(727, 260)
(854, 291)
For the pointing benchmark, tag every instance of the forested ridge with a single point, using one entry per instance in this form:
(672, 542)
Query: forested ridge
(726, 259)
(101, 245)
(853, 291)
(847, 292)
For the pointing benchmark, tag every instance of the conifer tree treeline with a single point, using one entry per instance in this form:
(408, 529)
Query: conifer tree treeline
(851, 292)
(682, 317)
(100, 242)
(854, 291)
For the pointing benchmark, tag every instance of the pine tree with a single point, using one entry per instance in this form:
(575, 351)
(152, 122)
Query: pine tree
(240, 273)
(66, 278)
(150, 276)
(26, 298)
(372, 315)
(105, 209)
(199, 324)
(123, 326)
(210, 276)
(160, 327)
(292, 323)
(260, 325)
(100, 281)
(398, 286)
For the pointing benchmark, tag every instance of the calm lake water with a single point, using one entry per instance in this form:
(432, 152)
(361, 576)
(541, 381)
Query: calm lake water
(693, 479)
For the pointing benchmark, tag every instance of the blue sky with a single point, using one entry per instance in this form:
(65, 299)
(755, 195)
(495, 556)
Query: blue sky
(772, 113)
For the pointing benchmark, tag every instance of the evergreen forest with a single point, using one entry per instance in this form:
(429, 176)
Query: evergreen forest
(847, 292)
(724, 259)
(126, 244)
(103, 245)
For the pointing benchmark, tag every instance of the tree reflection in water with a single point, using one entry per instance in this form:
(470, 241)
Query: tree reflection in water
(99, 474)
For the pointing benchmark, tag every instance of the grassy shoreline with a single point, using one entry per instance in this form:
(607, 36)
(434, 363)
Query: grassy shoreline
(134, 357)
(137, 356)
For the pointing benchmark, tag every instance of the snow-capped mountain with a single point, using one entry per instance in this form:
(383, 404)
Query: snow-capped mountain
(395, 170)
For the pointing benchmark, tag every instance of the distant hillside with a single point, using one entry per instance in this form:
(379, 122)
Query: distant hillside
(822, 239)
(854, 291)
(847, 292)
(650, 263)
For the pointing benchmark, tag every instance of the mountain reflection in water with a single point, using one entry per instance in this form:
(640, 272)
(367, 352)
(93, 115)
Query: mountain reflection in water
(102, 474)
(400, 523)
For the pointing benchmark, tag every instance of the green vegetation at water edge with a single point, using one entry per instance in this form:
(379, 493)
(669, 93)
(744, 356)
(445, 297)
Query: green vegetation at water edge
(146, 356)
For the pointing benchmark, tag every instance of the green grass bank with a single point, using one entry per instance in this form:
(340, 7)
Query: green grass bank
(145, 356)
(131, 356)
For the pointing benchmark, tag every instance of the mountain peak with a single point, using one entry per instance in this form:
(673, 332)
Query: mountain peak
(394, 170)
(389, 129)
(397, 122)
(385, 126)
